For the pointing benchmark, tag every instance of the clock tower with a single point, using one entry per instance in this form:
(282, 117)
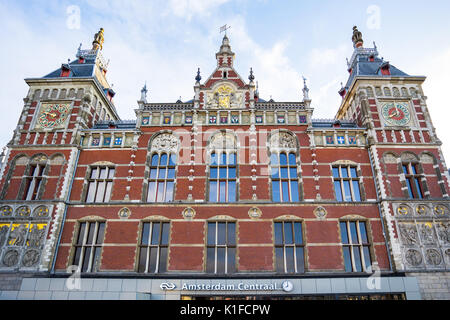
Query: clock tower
(410, 173)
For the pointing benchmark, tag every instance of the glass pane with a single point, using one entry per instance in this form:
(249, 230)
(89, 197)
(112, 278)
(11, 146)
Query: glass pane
(367, 259)
(357, 258)
(160, 195)
(232, 159)
(86, 257)
(108, 191)
(145, 233)
(353, 232)
(347, 259)
(231, 260)
(231, 173)
(153, 173)
(155, 232)
(344, 172)
(223, 159)
(294, 191)
(100, 191)
(94, 173)
(353, 172)
(151, 197)
(96, 259)
(413, 169)
(290, 267)
(408, 184)
(165, 233)
(336, 172)
(232, 191)
(153, 257)
(211, 233)
(284, 173)
(164, 159)
(275, 172)
(169, 191)
(356, 191)
(76, 258)
(274, 159)
(276, 191)
(162, 173)
(155, 159)
(214, 159)
(344, 234)
(171, 174)
(292, 160)
(418, 189)
(100, 233)
(363, 232)
(405, 169)
(223, 173)
(210, 260)
(220, 260)
(91, 233)
(347, 191)
(162, 260)
(298, 233)
(213, 191)
(278, 233)
(81, 233)
(283, 159)
(285, 186)
(103, 172)
(111, 173)
(222, 191)
(213, 173)
(300, 259)
(338, 191)
(231, 233)
(293, 173)
(172, 160)
(142, 260)
(288, 236)
(91, 192)
(221, 233)
(279, 259)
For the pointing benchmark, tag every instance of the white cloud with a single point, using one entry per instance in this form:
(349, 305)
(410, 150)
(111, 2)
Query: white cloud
(189, 8)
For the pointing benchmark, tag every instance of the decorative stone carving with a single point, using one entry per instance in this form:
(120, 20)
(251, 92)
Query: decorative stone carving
(188, 213)
(421, 210)
(36, 237)
(18, 235)
(3, 232)
(23, 211)
(41, 211)
(11, 258)
(439, 210)
(124, 213)
(282, 140)
(6, 211)
(165, 142)
(222, 141)
(426, 233)
(30, 258)
(403, 210)
(447, 255)
(443, 230)
(320, 213)
(408, 234)
(255, 213)
(413, 257)
(433, 257)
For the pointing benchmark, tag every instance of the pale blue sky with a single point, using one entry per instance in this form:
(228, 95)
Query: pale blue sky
(164, 42)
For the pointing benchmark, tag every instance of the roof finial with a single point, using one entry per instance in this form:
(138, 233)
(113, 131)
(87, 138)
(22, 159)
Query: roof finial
(198, 77)
(144, 92)
(251, 77)
(305, 90)
(357, 38)
(98, 40)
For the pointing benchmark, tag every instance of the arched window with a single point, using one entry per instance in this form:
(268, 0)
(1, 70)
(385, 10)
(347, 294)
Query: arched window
(34, 178)
(412, 171)
(283, 168)
(161, 181)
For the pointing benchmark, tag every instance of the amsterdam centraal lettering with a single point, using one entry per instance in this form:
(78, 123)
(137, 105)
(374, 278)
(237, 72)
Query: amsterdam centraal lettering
(230, 287)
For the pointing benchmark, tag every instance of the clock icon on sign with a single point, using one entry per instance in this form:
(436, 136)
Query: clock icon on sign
(287, 286)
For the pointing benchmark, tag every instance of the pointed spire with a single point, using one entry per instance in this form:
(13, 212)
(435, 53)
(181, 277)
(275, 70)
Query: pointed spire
(357, 38)
(305, 90)
(144, 93)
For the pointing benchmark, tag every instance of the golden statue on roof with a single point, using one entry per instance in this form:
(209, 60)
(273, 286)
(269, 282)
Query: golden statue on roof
(98, 40)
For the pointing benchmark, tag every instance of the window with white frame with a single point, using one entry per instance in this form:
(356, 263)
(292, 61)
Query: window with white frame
(99, 184)
(161, 181)
(33, 181)
(222, 177)
(355, 246)
(289, 247)
(88, 246)
(154, 246)
(346, 183)
(412, 180)
(285, 186)
(221, 247)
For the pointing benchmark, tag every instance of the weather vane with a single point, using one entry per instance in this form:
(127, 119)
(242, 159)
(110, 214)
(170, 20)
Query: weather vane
(224, 29)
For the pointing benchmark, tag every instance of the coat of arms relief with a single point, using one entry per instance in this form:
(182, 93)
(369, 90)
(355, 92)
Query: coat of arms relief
(224, 97)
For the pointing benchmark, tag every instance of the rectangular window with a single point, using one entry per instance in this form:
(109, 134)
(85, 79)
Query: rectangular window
(289, 247)
(161, 182)
(346, 184)
(154, 247)
(100, 184)
(355, 246)
(412, 181)
(222, 177)
(283, 168)
(221, 247)
(33, 182)
(88, 246)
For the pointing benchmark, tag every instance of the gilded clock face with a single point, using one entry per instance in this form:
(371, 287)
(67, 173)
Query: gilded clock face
(53, 115)
(396, 113)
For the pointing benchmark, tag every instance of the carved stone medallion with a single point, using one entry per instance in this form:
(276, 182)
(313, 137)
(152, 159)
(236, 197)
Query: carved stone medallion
(320, 213)
(433, 257)
(254, 213)
(41, 211)
(282, 140)
(165, 142)
(421, 210)
(11, 258)
(30, 258)
(413, 257)
(124, 213)
(188, 213)
(6, 211)
(23, 211)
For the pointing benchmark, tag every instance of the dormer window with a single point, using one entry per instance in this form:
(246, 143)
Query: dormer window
(65, 70)
(372, 58)
(385, 69)
(225, 74)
